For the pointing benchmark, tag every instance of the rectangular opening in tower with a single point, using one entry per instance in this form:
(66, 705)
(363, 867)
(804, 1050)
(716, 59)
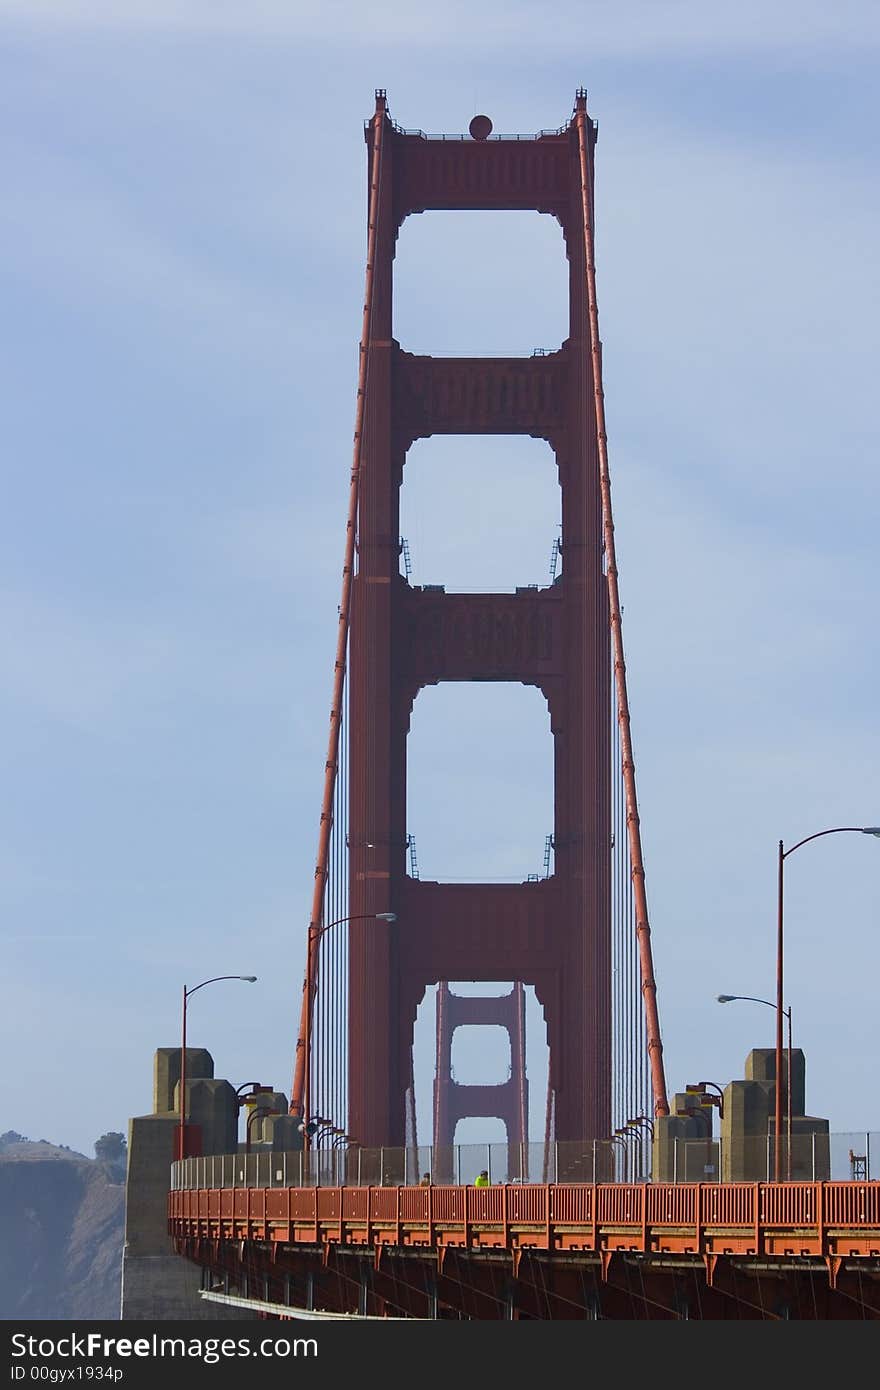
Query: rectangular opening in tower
(481, 513)
(480, 781)
(480, 283)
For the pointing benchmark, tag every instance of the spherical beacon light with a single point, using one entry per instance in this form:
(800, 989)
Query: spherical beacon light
(480, 128)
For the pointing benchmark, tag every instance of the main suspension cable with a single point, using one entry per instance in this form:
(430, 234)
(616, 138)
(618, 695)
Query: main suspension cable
(299, 1095)
(643, 930)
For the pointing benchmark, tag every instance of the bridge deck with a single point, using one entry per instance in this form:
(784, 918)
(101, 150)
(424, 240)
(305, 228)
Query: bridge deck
(831, 1220)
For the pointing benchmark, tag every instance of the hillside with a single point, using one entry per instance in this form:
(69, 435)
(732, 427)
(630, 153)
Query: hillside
(62, 1220)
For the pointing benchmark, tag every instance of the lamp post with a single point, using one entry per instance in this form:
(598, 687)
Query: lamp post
(181, 1142)
(315, 934)
(646, 1126)
(616, 1138)
(645, 1122)
(750, 998)
(783, 855)
(707, 1101)
(633, 1132)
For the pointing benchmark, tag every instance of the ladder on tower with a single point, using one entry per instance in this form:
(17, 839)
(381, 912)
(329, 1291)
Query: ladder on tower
(413, 865)
(548, 850)
(554, 558)
(407, 564)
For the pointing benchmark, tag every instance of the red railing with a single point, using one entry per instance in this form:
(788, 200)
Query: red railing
(821, 1218)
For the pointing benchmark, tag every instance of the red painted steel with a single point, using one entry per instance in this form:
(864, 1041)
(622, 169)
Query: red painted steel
(825, 1219)
(570, 1204)
(526, 1203)
(643, 930)
(672, 1205)
(729, 1204)
(848, 1204)
(299, 1092)
(554, 935)
(507, 1100)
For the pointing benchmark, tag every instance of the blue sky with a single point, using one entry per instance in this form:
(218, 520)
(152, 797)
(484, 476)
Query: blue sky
(182, 261)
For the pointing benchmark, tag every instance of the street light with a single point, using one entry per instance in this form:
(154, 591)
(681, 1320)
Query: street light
(616, 1138)
(705, 1102)
(626, 1132)
(315, 934)
(646, 1126)
(645, 1122)
(750, 998)
(783, 855)
(181, 1142)
(699, 1089)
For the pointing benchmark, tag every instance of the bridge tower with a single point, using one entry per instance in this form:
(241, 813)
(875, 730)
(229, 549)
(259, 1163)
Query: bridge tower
(555, 933)
(507, 1101)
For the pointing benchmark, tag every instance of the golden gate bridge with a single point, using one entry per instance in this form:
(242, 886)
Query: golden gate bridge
(595, 1219)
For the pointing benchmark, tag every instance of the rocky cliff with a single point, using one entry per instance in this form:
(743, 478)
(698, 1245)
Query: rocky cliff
(61, 1234)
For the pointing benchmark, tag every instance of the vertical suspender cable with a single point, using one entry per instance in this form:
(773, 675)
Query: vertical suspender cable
(299, 1100)
(643, 930)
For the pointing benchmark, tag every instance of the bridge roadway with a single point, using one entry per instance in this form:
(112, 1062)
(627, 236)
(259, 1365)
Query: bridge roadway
(545, 1250)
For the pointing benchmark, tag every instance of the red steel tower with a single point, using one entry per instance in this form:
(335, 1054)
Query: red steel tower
(506, 1100)
(553, 934)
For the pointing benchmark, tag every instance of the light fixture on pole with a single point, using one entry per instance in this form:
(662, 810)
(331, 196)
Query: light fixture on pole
(706, 1099)
(644, 1121)
(617, 1138)
(633, 1132)
(782, 856)
(315, 934)
(181, 1129)
(750, 998)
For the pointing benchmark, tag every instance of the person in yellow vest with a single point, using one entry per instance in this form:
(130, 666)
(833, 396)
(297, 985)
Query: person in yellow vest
(482, 1179)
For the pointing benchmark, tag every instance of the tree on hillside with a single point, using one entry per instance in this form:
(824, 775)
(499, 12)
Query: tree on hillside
(111, 1150)
(11, 1137)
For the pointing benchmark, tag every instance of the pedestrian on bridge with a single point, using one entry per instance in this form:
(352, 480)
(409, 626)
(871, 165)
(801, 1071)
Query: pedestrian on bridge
(482, 1179)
